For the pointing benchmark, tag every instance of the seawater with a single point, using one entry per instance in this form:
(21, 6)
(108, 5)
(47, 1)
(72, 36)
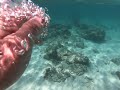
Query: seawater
(103, 72)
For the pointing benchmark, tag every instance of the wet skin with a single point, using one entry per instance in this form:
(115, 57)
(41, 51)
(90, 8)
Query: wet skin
(16, 49)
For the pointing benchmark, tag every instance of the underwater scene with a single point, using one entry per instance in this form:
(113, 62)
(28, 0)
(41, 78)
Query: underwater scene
(78, 46)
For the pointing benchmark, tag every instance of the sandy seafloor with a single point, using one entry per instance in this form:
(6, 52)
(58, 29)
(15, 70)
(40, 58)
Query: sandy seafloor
(101, 74)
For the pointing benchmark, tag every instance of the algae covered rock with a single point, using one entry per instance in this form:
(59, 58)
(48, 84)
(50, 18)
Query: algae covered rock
(52, 74)
(52, 54)
(65, 63)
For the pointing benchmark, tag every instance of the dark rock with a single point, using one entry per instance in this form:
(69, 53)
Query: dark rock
(68, 64)
(95, 50)
(72, 57)
(84, 26)
(56, 30)
(93, 33)
(52, 74)
(118, 74)
(52, 54)
(74, 69)
(80, 45)
(116, 60)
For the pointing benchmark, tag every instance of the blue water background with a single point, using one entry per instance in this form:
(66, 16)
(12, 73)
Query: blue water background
(72, 11)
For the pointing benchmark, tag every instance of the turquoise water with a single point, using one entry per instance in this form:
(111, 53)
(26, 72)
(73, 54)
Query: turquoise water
(90, 29)
(73, 10)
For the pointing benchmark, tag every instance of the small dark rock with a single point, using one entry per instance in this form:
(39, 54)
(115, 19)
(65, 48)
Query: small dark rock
(80, 45)
(118, 74)
(116, 60)
(52, 74)
(52, 54)
(95, 51)
(84, 26)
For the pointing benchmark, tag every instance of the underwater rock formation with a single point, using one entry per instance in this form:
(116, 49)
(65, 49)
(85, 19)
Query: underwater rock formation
(65, 63)
(64, 34)
(51, 53)
(93, 33)
(116, 60)
(59, 30)
(118, 74)
(53, 75)
(20, 28)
